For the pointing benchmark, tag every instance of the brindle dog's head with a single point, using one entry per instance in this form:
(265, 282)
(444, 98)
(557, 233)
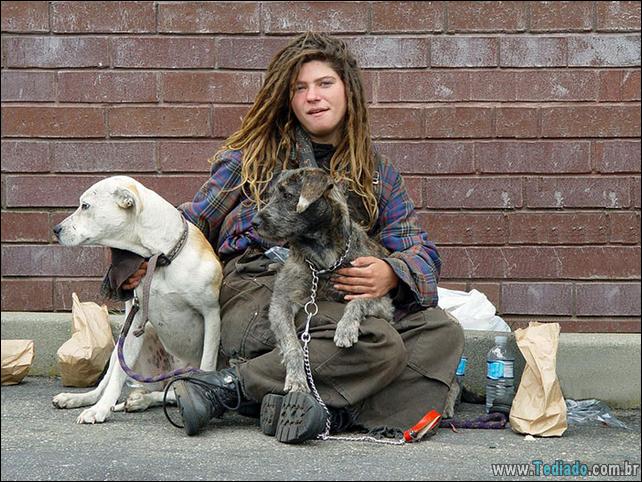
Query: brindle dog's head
(301, 202)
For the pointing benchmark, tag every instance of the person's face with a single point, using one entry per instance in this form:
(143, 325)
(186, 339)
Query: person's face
(319, 101)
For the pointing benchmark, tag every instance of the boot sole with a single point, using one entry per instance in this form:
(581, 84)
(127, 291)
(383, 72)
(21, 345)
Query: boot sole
(293, 418)
(185, 404)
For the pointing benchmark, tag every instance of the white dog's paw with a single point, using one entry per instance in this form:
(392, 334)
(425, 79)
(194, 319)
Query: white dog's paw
(93, 415)
(137, 401)
(346, 335)
(68, 400)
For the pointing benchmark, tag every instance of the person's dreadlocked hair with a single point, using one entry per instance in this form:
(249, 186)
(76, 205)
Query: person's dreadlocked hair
(267, 133)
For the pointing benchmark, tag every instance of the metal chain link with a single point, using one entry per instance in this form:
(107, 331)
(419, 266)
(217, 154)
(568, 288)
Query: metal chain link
(311, 309)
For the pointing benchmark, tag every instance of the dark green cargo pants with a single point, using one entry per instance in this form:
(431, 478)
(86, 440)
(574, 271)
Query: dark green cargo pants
(391, 377)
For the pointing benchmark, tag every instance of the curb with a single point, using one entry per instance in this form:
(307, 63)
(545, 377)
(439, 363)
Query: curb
(604, 366)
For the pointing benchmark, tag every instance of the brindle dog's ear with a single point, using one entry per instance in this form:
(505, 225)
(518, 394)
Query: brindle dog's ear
(315, 184)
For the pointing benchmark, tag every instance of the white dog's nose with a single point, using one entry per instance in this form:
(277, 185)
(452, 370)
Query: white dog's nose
(57, 228)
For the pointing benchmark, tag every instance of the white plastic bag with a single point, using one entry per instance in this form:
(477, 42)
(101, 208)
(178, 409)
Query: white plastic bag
(472, 310)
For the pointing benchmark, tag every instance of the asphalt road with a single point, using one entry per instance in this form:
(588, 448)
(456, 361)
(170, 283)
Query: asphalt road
(40, 442)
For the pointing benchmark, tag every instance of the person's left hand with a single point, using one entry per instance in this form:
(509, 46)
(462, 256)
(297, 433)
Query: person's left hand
(369, 277)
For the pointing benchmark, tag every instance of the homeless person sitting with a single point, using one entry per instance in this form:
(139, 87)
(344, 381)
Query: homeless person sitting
(312, 111)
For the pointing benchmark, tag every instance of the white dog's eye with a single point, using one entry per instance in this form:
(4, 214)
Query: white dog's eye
(84, 206)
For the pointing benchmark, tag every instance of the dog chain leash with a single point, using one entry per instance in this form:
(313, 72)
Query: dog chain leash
(311, 309)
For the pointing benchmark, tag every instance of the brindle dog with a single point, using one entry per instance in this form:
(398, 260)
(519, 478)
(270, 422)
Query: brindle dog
(308, 211)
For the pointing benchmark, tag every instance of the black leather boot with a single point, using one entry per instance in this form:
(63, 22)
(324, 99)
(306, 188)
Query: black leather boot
(203, 396)
(297, 417)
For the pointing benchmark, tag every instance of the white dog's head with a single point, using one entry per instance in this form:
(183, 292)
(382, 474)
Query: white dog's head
(105, 214)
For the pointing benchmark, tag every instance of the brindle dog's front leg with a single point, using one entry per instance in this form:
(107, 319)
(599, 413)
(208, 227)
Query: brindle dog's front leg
(282, 312)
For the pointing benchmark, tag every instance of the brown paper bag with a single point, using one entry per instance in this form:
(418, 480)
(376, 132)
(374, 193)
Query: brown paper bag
(82, 358)
(17, 357)
(539, 407)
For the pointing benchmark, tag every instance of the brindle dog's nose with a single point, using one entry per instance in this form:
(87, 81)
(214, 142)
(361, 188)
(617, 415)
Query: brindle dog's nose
(256, 221)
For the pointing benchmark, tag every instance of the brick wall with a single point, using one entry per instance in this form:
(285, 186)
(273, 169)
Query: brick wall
(516, 125)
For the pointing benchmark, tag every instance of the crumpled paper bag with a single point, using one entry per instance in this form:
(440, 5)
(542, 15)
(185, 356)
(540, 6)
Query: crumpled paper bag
(17, 357)
(83, 357)
(539, 407)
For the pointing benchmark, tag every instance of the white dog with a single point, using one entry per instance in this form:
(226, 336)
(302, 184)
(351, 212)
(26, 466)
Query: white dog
(119, 212)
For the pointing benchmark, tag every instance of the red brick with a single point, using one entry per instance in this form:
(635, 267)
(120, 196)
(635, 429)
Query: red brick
(25, 16)
(331, 17)
(464, 228)
(531, 262)
(617, 156)
(516, 122)
(635, 192)
(163, 52)
(532, 51)
(464, 52)
(389, 52)
(578, 192)
(473, 193)
(23, 121)
(591, 121)
(561, 16)
(407, 17)
(396, 122)
(191, 156)
(25, 156)
(590, 325)
(159, 122)
(94, 17)
(604, 50)
(247, 53)
(557, 228)
(556, 85)
(223, 87)
(537, 298)
(226, 120)
(209, 17)
(108, 156)
(21, 226)
(458, 122)
(625, 227)
(56, 52)
(28, 86)
(27, 294)
(492, 85)
(532, 157)
(53, 260)
(618, 15)
(46, 191)
(472, 263)
(604, 299)
(619, 85)
(432, 157)
(433, 86)
(87, 289)
(453, 285)
(112, 87)
(592, 262)
(487, 16)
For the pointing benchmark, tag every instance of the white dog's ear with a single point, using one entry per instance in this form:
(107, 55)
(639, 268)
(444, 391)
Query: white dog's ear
(125, 198)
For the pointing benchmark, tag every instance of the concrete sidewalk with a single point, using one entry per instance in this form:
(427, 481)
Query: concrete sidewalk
(604, 366)
(40, 442)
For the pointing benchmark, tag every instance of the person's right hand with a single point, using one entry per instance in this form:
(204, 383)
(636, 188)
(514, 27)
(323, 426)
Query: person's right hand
(134, 280)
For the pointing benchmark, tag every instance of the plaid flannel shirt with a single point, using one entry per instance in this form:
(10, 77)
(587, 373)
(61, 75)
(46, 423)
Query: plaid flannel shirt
(224, 214)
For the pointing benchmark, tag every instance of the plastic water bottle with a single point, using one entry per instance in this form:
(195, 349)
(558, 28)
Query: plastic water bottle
(499, 372)
(461, 371)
